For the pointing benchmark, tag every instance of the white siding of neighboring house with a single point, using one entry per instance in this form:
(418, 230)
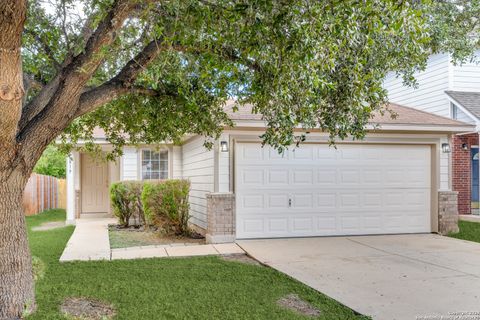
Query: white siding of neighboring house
(198, 167)
(466, 77)
(129, 164)
(430, 95)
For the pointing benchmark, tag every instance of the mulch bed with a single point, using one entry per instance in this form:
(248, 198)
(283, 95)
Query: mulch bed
(87, 309)
(132, 236)
(296, 304)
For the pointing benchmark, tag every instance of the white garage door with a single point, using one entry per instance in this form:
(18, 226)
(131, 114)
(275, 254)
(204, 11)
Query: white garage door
(318, 191)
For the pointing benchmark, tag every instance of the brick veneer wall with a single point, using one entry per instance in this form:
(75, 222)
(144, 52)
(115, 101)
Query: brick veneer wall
(220, 218)
(461, 170)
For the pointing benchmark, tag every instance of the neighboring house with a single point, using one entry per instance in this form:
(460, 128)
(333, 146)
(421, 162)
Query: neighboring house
(397, 180)
(450, 91)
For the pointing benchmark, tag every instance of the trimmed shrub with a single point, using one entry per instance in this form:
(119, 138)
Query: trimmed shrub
(126, 202)
(166, 205)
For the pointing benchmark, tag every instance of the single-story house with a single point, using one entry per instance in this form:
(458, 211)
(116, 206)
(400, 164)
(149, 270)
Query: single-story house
(396, 180)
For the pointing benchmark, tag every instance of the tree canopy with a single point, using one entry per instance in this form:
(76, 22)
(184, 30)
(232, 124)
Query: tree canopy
(171, 64)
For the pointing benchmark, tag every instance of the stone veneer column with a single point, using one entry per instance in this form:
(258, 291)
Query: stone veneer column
(220, 218)
(447, 212)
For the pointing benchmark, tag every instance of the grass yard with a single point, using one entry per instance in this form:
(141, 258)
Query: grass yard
(169, 288)
(468, 231)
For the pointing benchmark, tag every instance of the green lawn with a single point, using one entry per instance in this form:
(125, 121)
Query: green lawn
(468, 231)
(171, 288)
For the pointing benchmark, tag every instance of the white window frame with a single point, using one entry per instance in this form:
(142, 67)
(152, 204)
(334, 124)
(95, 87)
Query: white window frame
(160, 150)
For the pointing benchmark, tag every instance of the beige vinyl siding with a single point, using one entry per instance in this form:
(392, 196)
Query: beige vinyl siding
(444, 167)
(224, 166)
(430, 95)
(129, 164)
(198, 167)
(177, 167)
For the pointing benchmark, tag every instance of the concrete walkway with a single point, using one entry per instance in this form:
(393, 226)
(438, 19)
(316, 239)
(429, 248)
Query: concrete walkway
(90, 241)
(469, 217)
(388, 277)
(176, 251)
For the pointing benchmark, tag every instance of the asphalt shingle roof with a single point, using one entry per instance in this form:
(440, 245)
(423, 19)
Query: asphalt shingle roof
(468, 100)
(404, 115)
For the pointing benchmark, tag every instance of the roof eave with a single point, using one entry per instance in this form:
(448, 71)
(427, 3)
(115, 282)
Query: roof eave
(381, 126)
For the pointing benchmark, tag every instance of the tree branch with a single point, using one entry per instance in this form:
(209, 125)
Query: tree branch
(123, 82)
(64, 23)
(68, 84)
(106, 93)
(29, 82)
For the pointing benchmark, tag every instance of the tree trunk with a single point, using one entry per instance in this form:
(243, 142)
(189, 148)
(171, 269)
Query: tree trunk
(16, 277)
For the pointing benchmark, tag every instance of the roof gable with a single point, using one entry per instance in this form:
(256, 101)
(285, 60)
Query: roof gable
(468, 100)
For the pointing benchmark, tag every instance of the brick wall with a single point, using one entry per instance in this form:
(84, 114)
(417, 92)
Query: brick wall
(461, 170)
(220, 217)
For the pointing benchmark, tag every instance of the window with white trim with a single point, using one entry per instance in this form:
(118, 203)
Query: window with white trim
(154, 164)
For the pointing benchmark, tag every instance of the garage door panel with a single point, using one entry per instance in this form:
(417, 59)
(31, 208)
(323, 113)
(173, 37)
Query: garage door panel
(278, 177)
(253, 201)
(317, 190)
(260, 201)
(258, 177)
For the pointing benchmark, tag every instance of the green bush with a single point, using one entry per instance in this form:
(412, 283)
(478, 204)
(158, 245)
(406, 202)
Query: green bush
(52, 163)
(126, 201)
(166, 204)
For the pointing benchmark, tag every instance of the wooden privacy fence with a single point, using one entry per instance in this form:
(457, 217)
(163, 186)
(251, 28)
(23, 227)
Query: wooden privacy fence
(43, 193)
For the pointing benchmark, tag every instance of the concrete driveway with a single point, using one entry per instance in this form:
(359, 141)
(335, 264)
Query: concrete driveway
(386, 277)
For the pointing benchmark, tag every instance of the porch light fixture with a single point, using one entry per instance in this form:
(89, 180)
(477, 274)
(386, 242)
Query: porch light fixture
(224, 146)
(446, 148)
(464, 146)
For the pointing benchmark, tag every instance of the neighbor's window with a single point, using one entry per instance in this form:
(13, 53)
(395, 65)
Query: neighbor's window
(154, 164)
(454, 111)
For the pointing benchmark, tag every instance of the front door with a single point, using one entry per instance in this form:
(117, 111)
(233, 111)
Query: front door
(94, 185)
(475, 179)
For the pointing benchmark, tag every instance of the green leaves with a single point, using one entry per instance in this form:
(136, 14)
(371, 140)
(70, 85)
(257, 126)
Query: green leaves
(52, 163)
(303, 64)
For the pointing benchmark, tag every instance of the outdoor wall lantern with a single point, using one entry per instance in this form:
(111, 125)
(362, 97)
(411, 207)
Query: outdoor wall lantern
(224, 146)
(464, 146)
(446, 148)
